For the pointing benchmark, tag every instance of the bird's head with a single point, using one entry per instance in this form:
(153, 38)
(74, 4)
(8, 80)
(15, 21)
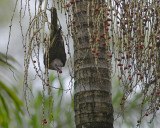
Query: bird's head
(57, 65)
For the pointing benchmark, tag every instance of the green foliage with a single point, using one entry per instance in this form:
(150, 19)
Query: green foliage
(58, 112)
(9, 101)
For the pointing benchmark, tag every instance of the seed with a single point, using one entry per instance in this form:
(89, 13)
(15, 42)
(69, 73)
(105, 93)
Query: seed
(123, 98)
(104, 44)
(98, 39)
(108, 24)
(138, 74)
(141, 77)
(60, 71)
(158, 92)
(44, 121)
(121, 103)
(125, 68)
(107, 29)
(137, 55)
(93, 50)
(125, 43)
(146, 114)
(141, 46)
(152, 55)
(126, 22)
(108, 37)
(119, 64)
(150, 47)
(101, 35)
(97, 53)
(73, 21)
(96, 9)
(67, 5)
(72, 2)
(110, 55)
(109, 19)
(157, 38)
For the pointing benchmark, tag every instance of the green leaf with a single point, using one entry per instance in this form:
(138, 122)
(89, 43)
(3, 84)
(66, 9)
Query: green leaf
(138, 96)
(3, 56)
(12, 95)
(38, 100)
(4, 63)
(72, 104)
(51, 78)
(133, 105)
(59, 91)
(4, 106)
(18, 118)
(117, 97)
(3, 118)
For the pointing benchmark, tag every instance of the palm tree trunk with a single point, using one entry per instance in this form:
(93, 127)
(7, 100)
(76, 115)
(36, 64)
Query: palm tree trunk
(92, 99)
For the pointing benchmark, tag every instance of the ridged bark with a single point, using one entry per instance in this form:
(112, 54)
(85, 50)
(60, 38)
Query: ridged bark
(92, 99)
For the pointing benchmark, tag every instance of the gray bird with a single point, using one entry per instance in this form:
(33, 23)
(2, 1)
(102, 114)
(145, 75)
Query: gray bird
(56, 54)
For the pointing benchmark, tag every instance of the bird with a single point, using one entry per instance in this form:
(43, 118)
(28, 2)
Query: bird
(56, 54)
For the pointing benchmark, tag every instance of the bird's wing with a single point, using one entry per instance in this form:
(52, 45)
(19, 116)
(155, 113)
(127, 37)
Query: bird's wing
(54, 38)
(57, 49)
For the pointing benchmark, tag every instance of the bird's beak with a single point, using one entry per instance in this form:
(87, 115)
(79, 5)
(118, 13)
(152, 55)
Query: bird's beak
(58, 68)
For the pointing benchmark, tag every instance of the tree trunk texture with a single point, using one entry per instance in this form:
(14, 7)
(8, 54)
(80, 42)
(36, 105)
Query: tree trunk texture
(92, 99)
